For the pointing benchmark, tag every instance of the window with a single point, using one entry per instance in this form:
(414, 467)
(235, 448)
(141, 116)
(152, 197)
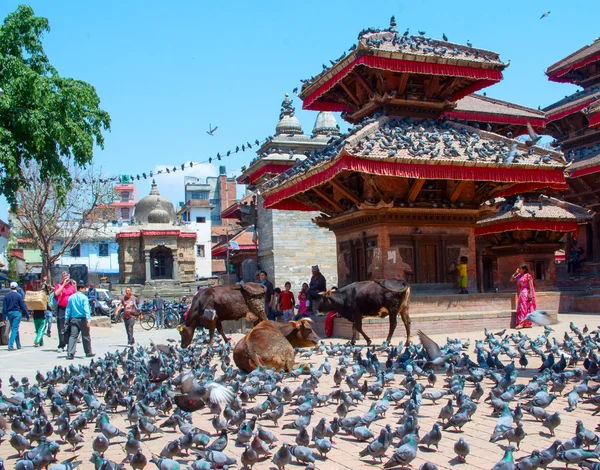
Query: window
(200, 251)
(215, 201)
(103, 249)
(199, 195)
(76, 251)
(125, 213)
(125, 196)
(200, 220)
(540, 270)
(215, 219)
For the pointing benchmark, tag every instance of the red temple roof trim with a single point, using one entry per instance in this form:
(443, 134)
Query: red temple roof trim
(585, 171)
(594, 120)
(508, 226)
(486, 76)
(569, 109)
(580, 58)
(272, 168)
(543, 178)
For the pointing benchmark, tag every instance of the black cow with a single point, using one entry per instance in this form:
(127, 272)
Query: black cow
(370, 298)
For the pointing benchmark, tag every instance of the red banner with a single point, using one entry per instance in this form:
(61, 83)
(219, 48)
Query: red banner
(553, 226)
(495, 118)
(558, 76)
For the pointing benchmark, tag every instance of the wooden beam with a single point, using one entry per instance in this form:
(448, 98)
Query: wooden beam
(433, 87)
(369, 180)
(402, 84)
(349, 93)
(362, 82)
(458, 189)
(309, 202)
(345, 191)
(328, 199)
(414, 190)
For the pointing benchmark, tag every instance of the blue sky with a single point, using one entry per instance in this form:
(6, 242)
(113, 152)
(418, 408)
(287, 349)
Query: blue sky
(165, 70)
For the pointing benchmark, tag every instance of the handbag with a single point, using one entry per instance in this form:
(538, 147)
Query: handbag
(52, 302)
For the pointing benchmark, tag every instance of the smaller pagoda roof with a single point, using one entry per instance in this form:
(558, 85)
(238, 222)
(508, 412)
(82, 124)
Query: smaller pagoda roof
(571, 104)
(593, 114)
(234, 210)
(546, 213)
(481, 108)
(586, 161)
(244, 241)
(557, 72)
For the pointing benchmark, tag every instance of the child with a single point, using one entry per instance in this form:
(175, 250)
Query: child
(461, 270)
(303, 310)
(287, 302)
(275, 305)
(304, 289)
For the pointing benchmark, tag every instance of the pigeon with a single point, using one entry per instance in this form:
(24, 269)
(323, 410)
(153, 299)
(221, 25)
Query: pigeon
(282, 457)
(211, 130)
(507, 462)
(436, 358)
(302, 454)
(462, 449)
(552, 422)
(433, 437)
(539, 317)
(404, 454)
(249, 457)
(323, 445)
(165, 464)
(100, 444)
(544, 15)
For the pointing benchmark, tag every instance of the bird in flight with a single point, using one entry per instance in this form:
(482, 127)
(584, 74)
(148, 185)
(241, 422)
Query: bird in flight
(544, 15)
(211, 130)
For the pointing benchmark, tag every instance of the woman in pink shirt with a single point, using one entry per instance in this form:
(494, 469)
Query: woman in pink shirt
(62, 292)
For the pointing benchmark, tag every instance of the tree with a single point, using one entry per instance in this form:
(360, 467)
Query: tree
(44, 117)
(47, 212)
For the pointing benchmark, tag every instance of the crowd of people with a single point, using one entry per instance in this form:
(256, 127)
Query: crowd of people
(282, 305)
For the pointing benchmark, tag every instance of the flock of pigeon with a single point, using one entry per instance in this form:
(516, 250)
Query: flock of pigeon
(424, 139)
(391, 39)
(269, 414)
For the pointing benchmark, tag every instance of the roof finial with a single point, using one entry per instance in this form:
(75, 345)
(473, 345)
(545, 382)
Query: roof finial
(154, 189)
(393, 23)
(287, 108)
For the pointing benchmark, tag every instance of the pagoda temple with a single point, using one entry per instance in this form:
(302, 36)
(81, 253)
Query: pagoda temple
(404, 191)
(575, 124)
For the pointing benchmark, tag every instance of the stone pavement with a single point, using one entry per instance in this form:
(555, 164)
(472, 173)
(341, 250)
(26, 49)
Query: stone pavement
(345, 451)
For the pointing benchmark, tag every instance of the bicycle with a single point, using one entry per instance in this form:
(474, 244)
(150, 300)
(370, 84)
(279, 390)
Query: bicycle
(147, 317)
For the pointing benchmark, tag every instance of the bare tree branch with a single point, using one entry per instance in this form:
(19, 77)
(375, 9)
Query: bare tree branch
(48, 212)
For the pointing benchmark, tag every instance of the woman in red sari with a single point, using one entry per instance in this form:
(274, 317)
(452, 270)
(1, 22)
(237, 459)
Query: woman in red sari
(525, 296)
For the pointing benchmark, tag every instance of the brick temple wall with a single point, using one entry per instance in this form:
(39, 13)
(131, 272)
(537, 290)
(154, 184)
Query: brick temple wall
(290, 243)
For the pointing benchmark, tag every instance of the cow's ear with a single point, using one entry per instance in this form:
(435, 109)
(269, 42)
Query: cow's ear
(293, 324)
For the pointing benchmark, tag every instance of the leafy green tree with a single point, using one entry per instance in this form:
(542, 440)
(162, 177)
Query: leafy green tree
(44, 117)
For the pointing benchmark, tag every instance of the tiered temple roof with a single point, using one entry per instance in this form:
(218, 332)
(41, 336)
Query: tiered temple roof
(412, 75)
(575, 68)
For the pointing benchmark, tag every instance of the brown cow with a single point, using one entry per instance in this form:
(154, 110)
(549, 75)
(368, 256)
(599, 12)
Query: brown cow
(213, 305)
(271, 344)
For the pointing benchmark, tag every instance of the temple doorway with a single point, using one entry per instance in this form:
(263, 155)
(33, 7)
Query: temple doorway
(161, 263)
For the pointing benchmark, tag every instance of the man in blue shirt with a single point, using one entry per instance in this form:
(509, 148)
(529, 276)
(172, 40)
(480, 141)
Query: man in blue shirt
(13, 309)
(78, 317)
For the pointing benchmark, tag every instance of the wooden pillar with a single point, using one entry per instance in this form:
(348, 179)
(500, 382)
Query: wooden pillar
(596, 238)
(480, 269)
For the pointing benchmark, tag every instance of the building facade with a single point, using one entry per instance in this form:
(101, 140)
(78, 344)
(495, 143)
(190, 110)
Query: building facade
(219, 191)
(124, 202)
(196, 214)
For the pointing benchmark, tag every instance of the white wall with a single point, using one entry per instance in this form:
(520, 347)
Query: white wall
(3, 256)
(90, 256)
(203, 232)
